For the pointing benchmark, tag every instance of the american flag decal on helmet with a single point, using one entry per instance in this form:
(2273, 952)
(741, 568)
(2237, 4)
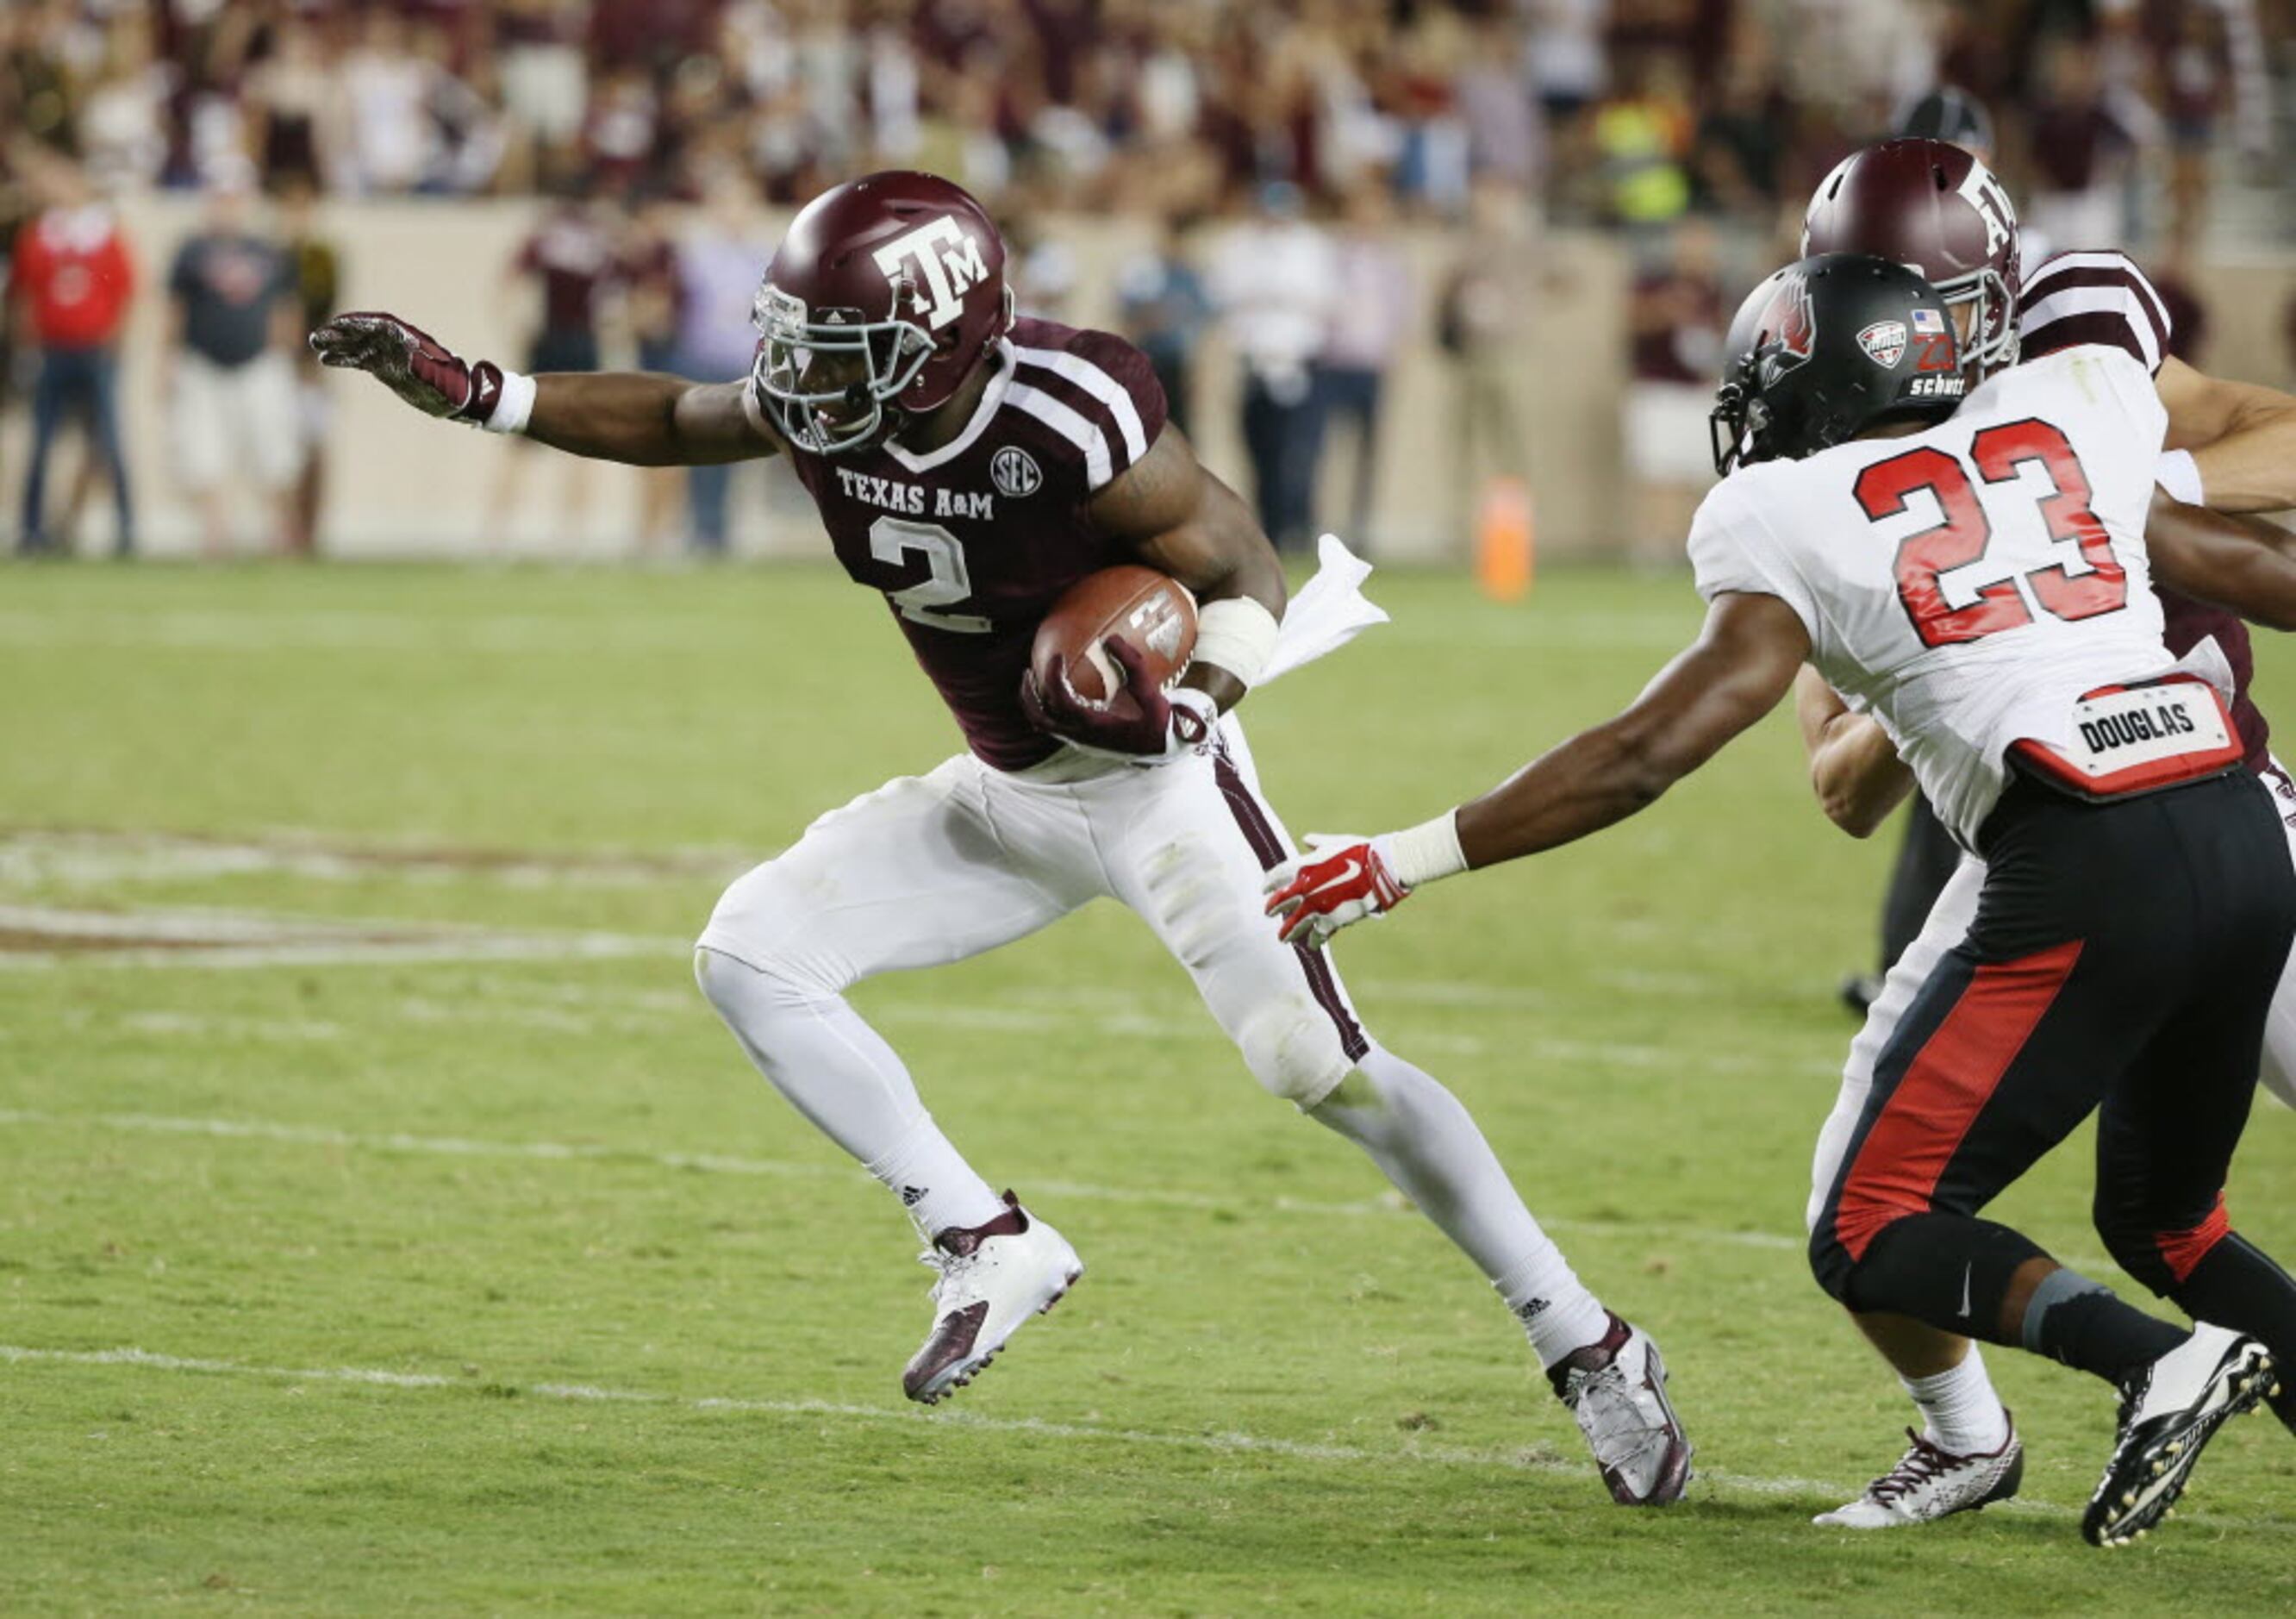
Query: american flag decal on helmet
(1928, 322)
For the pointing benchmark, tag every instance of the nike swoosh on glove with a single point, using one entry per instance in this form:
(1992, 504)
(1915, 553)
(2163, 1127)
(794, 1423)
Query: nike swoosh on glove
(1338, 882)
(411, 363)
(1140, 723)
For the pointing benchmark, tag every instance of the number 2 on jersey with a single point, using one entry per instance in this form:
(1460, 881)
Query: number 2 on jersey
(892, 538)
(1883, 491)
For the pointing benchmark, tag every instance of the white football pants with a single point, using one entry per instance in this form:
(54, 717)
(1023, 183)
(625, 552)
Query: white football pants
(933, 869)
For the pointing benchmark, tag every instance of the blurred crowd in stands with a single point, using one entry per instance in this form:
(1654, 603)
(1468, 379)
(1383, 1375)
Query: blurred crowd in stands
(1275, 144)
(1630, 110)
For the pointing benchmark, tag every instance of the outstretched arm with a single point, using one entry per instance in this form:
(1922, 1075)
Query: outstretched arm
(2242, 564)
(2242, 438)
(646, 419)
(1742, 663)
(637, 417)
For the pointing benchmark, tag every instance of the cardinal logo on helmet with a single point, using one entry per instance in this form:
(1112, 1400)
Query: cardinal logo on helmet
(1787, 328)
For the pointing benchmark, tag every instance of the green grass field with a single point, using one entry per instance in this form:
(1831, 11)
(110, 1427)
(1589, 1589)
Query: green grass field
(387, 1226)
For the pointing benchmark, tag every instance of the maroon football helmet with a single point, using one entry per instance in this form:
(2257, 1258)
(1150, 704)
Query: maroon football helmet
(1935, 209)
(887, 292)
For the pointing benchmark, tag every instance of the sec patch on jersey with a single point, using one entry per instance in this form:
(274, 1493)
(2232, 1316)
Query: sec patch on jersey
(1153, 612)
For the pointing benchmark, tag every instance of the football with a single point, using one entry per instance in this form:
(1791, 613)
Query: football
(1153, 612)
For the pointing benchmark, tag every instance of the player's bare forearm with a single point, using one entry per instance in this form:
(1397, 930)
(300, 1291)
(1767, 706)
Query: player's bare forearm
(2245, 565)
(1742, 663)
(1854, 767)
(644, 419)
(2242, 438)
(1181, 521)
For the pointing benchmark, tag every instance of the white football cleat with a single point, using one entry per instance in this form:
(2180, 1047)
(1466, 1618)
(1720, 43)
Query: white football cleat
(1929, 1482)
(1615, 1387)
(993, 1278)
(2169, 1412)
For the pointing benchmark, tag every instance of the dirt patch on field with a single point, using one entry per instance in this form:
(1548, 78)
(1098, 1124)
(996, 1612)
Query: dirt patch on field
(93, 855)
(36, 934)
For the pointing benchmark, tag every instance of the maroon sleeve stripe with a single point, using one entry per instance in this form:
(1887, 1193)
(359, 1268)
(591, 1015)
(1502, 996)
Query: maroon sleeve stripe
(2050, 282)
(2075, 331)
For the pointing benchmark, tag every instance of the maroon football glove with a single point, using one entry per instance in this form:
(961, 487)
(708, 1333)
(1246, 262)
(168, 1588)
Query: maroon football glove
(411, 363)
(1139, 722)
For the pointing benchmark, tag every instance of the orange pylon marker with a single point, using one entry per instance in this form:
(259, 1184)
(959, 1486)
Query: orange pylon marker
(1506, 547)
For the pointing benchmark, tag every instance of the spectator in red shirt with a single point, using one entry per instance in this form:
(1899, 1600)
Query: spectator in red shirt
(72, 277)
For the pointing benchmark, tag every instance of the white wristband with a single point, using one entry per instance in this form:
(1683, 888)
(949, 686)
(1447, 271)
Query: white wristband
(2178, 473)
(1427, 852)
(513, 405)
(1238, 635)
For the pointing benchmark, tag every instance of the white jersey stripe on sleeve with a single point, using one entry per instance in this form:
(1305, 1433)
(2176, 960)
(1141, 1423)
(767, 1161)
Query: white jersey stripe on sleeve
(1070, 425)
(2116, 264)
(1097, 383)
(2122, 301)
(2106, 263)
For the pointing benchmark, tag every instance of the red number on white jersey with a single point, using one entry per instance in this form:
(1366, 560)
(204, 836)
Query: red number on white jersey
(1884, 489)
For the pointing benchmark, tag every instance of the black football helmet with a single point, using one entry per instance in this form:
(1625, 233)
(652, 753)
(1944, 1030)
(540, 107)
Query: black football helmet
(1823, 350)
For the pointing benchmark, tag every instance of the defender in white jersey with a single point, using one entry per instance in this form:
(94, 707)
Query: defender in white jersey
(1933, 204)
(1973, 575)
(1936, 207)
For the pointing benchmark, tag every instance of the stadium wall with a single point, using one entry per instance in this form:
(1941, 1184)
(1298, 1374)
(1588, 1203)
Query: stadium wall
(401, 485)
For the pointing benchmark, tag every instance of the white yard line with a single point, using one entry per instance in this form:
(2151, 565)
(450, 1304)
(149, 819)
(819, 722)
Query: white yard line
(1707, 1481)
(1294, 1450)
(721, 1163)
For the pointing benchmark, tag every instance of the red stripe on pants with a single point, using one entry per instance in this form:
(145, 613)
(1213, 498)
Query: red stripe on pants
(1944, 1087)
(2182, 1250)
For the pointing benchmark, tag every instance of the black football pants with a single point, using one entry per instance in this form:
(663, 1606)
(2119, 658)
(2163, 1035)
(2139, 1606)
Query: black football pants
(2122, 960)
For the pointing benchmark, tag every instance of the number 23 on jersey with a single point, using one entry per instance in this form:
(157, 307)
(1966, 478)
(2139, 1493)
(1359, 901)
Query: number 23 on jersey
(2088, 582)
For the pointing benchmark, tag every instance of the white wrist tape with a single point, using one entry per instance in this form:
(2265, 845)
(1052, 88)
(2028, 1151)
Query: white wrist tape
(512, 407)
(1427, 852)
(1237, 635)
(2178, 473)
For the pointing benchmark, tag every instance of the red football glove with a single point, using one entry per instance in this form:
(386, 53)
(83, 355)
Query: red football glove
(1140, 722)
(411, 363)
(1339, 881)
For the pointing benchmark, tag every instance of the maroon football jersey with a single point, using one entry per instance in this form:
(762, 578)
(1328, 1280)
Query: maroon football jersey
(972, 542)
(575, 258)
(2101, 298)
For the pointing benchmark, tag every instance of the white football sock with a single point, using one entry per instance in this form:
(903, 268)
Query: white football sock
(1422, 1136)
(1960, 1413)
(840, 1073)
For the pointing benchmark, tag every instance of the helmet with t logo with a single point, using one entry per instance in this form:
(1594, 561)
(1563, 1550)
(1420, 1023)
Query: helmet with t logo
(885, 296)
(1935, 209)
